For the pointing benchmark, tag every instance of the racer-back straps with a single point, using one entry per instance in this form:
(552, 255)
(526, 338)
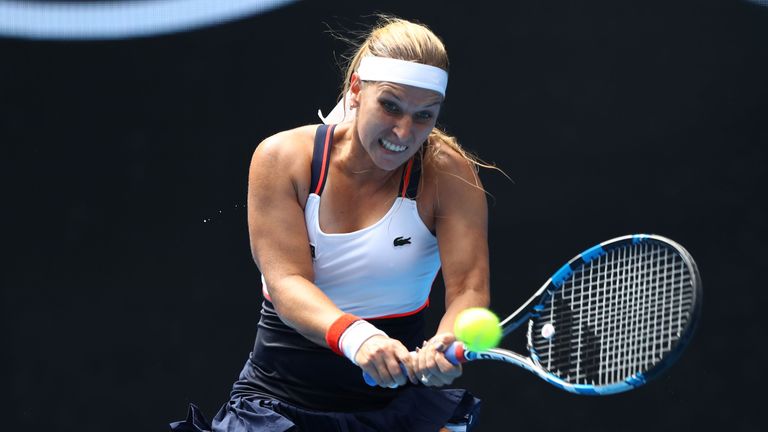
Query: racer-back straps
(321, 161)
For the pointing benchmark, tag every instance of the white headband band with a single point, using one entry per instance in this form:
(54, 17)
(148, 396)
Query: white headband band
(391, 70)
(403, 72)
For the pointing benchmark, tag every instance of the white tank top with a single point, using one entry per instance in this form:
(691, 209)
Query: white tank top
(385, 270)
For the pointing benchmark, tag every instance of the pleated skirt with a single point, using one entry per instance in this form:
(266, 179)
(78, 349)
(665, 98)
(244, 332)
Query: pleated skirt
(417, 409)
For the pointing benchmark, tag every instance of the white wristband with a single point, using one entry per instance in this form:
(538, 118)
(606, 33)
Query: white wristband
(354, 337)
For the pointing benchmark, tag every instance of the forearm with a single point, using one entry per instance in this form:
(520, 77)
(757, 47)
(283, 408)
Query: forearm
(304, 307)
(477, 296)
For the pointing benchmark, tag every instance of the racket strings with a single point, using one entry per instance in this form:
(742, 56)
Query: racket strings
(616, 316)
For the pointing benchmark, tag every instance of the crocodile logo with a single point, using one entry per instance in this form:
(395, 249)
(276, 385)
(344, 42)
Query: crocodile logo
(400, 241)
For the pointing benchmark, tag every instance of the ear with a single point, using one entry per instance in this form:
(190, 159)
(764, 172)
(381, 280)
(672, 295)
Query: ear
(355, 85)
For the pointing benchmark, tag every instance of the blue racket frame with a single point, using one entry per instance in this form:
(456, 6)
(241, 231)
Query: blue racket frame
(457, 353)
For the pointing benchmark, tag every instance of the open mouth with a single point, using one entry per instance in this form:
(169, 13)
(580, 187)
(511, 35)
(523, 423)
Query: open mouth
(392, 146)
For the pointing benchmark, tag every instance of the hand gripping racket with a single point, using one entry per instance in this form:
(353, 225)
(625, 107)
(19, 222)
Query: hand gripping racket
(610, 320)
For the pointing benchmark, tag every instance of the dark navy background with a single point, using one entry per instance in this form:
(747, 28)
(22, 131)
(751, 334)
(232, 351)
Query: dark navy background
(128, 288)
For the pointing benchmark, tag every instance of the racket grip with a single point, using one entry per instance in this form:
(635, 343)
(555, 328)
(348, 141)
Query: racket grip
(454, 354)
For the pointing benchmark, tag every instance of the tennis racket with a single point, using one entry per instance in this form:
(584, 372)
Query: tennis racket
(610, 320)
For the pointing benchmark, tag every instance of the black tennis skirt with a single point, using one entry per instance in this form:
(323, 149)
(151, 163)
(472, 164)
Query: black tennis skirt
(417, 409)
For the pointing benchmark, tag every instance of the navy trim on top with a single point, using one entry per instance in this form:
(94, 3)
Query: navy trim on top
(322, 148)
(413, 182)
(321, 161)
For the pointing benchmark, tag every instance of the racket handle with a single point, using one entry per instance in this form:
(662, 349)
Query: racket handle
(454, 353)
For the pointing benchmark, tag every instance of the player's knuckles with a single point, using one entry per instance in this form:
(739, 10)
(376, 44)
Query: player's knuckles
(441, 341)
(376, 349)
(445, 366)
(373, 358)
(381, 358)
(435, 369)
(364, 361)
(367, 358)
(421, 362)
(390, 348)
(429, 363)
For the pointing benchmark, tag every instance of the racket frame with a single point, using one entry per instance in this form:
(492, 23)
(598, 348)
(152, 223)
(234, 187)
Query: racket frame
(458, 353)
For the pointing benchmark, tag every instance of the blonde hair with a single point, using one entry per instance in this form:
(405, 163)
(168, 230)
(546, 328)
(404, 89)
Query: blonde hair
(405, 40)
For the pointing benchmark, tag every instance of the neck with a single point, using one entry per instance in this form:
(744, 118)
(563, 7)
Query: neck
(355, 162)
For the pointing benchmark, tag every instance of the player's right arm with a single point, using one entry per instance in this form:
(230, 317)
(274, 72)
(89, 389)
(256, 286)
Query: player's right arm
(277, 182)
(278, 235)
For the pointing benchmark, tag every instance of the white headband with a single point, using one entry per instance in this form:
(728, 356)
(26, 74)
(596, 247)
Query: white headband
(403, 72)
(391, 70)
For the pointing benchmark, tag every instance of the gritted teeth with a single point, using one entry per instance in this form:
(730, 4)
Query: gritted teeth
(391, 146)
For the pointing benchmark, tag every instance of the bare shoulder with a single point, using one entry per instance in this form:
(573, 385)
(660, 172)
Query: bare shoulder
(450, 168)
(286, 152)
(287, 147)
(285, 157)
(450, 183)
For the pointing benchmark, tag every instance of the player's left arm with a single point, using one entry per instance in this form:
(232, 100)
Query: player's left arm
(461, 224)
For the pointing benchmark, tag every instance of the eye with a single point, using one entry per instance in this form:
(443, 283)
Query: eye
(389, 106)
(423, 116)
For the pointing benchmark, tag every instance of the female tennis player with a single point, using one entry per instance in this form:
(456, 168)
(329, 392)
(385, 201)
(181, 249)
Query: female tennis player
(349, 223)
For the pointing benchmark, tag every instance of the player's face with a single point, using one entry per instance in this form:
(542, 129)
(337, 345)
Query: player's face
(394, 120)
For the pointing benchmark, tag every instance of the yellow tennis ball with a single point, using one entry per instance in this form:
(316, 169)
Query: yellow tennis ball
(478, 328)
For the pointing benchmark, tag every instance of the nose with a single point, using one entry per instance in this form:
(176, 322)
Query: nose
(403, 127)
